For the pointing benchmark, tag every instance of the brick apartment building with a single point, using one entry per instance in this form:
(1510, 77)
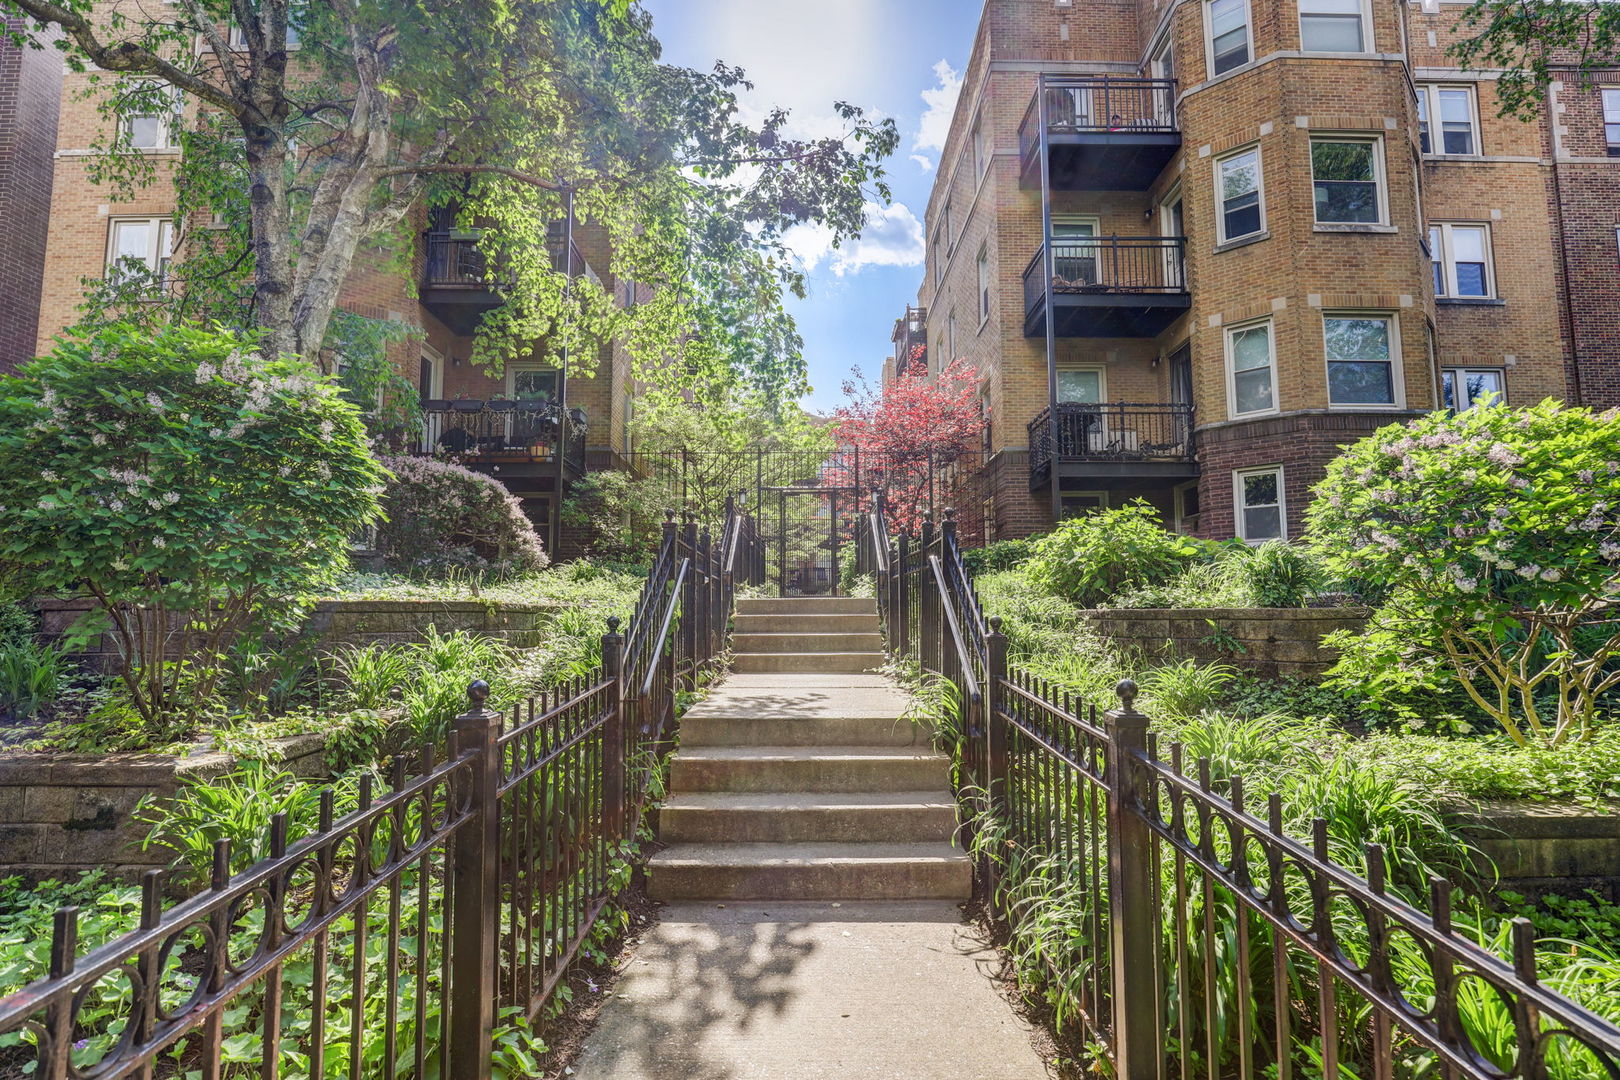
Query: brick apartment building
(1194, 246)
(30, 87)
(528, 426)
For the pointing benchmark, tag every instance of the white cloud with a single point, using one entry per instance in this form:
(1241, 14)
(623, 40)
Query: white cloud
(892, 237)
(925, 163)
(935, 125)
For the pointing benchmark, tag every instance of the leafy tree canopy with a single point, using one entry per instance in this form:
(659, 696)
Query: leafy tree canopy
(319, 133)
(1533, 41)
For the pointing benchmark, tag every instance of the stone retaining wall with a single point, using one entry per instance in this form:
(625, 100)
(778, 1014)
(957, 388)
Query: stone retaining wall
(349, 622)
(61, 813)
(1540, 848)
(1271, 641)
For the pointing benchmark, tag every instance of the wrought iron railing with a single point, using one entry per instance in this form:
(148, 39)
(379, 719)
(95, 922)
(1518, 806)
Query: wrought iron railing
(502, 429)
(911, 342)
(1192, 936)
(1109, 264)
(1099, 104)
(453, 260)
(395, 937)
(1111, 431)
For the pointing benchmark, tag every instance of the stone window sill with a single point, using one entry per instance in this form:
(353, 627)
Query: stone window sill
(1469, 301)
(1351, 227)
(1243, 241)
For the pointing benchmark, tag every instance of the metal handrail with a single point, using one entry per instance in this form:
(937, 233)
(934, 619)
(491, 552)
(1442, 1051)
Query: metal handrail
(956, 630)
(662, 641)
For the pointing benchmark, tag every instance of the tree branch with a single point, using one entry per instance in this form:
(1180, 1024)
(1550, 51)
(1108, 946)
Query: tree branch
(128, 56)
(474, 170)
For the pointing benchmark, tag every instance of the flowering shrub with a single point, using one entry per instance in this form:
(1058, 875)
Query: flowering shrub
(186, 483)
(441, 516)
(1494, 532)
(1091, 558)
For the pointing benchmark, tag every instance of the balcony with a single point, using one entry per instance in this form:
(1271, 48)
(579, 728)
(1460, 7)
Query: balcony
(911, 342)
(1122, 439)
(1103, 132)
(514, 438)
(455, 282)
(1108, 287)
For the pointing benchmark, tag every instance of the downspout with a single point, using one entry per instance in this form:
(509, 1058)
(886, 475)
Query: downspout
(1049, 266)
(1557, 145)
(562, 380)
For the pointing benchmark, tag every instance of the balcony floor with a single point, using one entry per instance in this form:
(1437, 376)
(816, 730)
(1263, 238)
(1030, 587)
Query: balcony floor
(1105, 160)
(1107, 314)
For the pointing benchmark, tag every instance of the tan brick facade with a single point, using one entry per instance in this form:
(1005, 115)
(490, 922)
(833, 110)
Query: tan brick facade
(82, 216)
(1546, 194)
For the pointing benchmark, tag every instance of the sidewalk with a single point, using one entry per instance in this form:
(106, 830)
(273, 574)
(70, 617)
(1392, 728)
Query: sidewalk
(766, 990)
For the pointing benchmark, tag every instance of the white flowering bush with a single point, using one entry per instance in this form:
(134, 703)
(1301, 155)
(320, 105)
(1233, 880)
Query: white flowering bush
(443, 518)
(185, 482)
(1493, 533)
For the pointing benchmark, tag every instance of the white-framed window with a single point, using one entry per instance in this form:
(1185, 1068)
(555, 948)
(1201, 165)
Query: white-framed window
(950, 332)
(1361, 353)
(1347, 179)
(1338, 26)
(1448, 119)
(1186, 507)
(1082, 385)
(1258, 501)
(1464, 388)
(295, 19)
(945, 225)
(981, 155)
(1240, 205)
(1226, 34)
(147, 241)
(531, 382)
(1611, 119)
(157, 125)
(1461, 256)
(984, 284)
(1251, 369)
(1080, 503)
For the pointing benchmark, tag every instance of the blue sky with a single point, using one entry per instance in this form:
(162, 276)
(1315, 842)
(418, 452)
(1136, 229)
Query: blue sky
(896, 58)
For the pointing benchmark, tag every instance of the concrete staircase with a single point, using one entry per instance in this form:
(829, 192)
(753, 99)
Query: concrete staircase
(797, 779)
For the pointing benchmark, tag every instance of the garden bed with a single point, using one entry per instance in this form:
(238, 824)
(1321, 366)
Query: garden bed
(62, 813)
(1269, 641)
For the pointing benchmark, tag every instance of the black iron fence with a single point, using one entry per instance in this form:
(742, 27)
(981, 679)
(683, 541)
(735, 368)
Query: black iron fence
(1109, 264)
(1100, 104)
(452, 259)
(1188, 932)
(398, 936)
(502, 429)
(1112, 431)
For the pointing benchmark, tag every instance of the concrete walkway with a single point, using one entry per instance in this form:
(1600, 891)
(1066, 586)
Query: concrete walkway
(764, 990)
(815, 928)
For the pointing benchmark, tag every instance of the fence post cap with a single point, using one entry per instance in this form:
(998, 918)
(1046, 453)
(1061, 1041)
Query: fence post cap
(477, 714)
(995, 624)
(613, 624)
(1126, 690)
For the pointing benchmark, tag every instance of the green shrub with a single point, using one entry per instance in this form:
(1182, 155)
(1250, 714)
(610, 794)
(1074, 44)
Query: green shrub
(1279, 574)
(187, 484)
(31, 676)
(1494, 532)
(17, 624)
(442, 517)
(1090, 559)
(1186, 688)
(1001, 555)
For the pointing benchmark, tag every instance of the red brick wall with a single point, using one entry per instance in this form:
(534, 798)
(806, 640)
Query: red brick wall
(30, 89)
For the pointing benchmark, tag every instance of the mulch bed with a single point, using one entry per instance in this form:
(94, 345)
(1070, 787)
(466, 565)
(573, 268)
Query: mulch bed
(1065, 1054)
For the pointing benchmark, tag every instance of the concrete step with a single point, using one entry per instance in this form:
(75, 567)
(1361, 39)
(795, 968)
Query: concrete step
(806, 817)
(930, 871)
(815, 624)
(819, 663)
(800, 731)
(808, 605)
(820, 769)
(807, 640)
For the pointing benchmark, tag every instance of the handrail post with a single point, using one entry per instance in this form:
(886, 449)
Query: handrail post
(995, 726)
(1138, 1048)
(689, 602)
(928, 605)
(475, 872)
(902, 594)
(614, 728)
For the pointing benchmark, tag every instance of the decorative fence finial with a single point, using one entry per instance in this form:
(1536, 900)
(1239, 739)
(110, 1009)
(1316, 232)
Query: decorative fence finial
(1126, 689)
(613, 624)
(478, 693)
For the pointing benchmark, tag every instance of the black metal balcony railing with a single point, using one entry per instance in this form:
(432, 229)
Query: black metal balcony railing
(911, 341)
(486, 430)
(1109, 264)
(1119, 431)
(453, 260)
(1100, 105)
